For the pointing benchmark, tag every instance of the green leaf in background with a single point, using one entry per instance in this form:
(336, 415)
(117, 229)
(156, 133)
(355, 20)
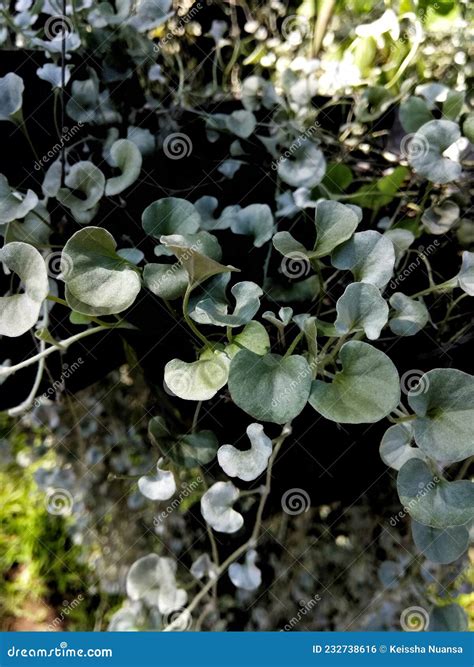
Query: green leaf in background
(98, 281)
(364, 391)
(431, 500)
(361, 308)
(20, 312)
(443, 402)
(189, 449)
(414, 113)
(270, 387)
(381, 192)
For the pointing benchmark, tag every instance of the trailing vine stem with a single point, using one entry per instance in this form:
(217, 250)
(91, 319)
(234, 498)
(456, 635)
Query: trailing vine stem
(249, 544)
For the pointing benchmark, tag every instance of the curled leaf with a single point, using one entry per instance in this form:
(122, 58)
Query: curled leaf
(250, 463)
(217, 510)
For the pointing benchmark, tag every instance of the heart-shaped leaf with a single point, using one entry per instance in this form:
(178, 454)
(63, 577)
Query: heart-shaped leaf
(11, 97)
(153, 580)
(199, 380)
(125, 156)
(203, 567)
(269, 388)
(410, 316)
(255, 220)
(361, 308)
(217, 510)
(303, 167)
(170, 215)
(431, 500)
(334, 223)
(443, 402)
(98, 281)
(168, 281)
(160, 486)
(247, 302)
(425, 152)
(241, 122)
(248, 577)
(440, 545)
(395, 448)
(370, 256)
(364, 391)
(250, 463)
(414, 113)
(19, 312)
